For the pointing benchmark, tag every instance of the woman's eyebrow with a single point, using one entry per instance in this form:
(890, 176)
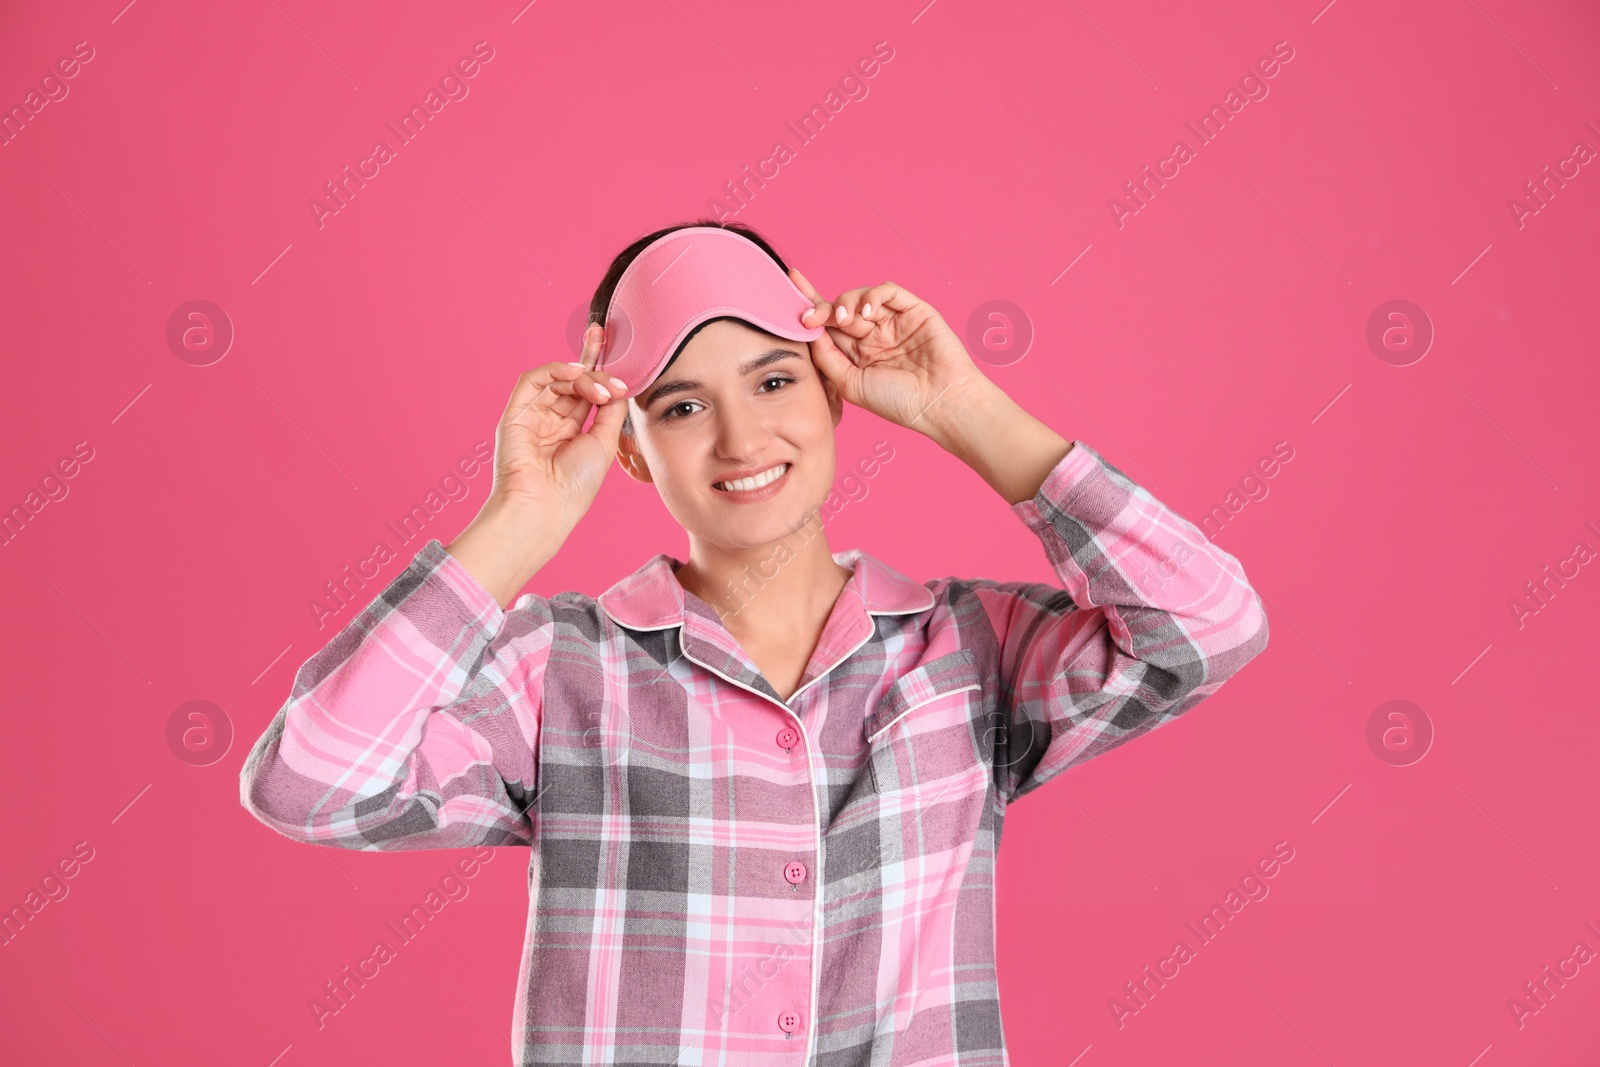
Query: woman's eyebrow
(684, 385)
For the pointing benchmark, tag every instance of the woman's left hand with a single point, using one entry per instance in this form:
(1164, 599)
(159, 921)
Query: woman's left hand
(891, 353)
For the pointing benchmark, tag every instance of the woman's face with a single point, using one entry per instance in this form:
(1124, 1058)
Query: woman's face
(736, 405)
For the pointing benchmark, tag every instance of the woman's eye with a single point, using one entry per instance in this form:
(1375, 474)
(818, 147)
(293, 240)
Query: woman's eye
(678, 410)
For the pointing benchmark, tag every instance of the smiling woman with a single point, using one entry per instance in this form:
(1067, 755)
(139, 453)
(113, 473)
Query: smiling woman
(714, 443)
(696, 769)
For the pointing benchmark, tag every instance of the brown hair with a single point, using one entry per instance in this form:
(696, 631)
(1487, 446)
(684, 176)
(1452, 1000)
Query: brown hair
(600, 303)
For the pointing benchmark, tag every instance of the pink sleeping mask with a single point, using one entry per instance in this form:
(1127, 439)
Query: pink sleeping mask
(688, 277)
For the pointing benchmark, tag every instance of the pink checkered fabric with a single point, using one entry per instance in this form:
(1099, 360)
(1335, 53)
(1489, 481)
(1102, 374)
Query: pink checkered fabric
(718, 876)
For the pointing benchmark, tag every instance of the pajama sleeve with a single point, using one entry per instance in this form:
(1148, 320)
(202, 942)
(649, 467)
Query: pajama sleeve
(414, 727)
(1149, 619)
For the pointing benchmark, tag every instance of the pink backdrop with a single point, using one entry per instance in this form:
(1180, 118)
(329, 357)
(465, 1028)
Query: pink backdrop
(1439, 464)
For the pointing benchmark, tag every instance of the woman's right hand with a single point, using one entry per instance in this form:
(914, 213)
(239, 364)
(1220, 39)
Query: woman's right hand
(542, 455)
(547, 470)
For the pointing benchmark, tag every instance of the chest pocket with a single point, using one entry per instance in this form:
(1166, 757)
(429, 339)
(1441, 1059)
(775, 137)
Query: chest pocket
(920, 734)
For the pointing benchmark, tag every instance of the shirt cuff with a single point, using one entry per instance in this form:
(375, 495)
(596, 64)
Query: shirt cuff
(1060, 486)
(434, 569)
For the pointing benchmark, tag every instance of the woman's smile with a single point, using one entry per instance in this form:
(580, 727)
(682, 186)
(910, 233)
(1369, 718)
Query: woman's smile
(764, 483)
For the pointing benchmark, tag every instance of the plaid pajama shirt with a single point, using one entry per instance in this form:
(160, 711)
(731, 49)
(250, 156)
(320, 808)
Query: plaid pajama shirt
(718, 876)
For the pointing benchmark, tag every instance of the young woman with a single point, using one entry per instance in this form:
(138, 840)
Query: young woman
(762, 787)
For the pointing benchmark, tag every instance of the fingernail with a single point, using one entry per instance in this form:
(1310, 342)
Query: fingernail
(620, 384)
(866, 311)
(605, 394)
(840, 313)
(574, 362)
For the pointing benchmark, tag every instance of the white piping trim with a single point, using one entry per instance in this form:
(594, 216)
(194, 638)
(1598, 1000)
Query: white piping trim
(816, 909)
(876, 733)
(870, 634)
(682, 614)
(635, 626)
(932, 600)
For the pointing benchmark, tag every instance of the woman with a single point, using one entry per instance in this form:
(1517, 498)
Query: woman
(763, 786)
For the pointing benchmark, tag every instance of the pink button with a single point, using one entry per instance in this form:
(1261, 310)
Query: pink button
(788, 1021)
(787, 738)
(795, 872)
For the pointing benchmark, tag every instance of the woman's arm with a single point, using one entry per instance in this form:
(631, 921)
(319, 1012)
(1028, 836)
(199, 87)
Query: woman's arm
(506, 545)
(1159, 616)
(988, 431)
(417, 726)
(1155, 618)
(1150, 617)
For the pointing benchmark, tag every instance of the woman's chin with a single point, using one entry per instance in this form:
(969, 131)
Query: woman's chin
(758, 526)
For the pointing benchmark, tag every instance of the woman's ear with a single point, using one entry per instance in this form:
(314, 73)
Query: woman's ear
(835, 400)
(632, 461)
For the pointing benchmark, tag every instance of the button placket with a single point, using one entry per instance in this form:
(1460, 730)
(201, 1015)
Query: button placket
(792, 738)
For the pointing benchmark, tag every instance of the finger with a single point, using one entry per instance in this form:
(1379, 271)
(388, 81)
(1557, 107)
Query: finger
(609, 384)
(820, 311)
(607, 426)
(836, 366)
(532, 387)
(818, 315)
(845, 343)
(594, 339)
(847, 316)
(617, 386)
(543, 375)
(888, 296)
(595, 386)
(805, 286)
(565, 389)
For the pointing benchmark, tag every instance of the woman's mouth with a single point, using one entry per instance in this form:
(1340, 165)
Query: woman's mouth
(758, 486)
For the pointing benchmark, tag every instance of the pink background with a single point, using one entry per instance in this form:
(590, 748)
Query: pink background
(1227, 315)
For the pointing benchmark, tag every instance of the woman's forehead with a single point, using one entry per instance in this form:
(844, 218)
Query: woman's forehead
(725, 347)
(723, 350)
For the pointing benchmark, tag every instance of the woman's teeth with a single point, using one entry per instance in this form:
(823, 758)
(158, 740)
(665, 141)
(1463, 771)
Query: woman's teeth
(764, 478)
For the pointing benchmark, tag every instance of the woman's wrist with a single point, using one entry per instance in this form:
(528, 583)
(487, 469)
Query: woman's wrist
(507, 543)
(995, 436)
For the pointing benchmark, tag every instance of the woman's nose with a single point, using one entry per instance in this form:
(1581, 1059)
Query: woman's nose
(739, 430)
